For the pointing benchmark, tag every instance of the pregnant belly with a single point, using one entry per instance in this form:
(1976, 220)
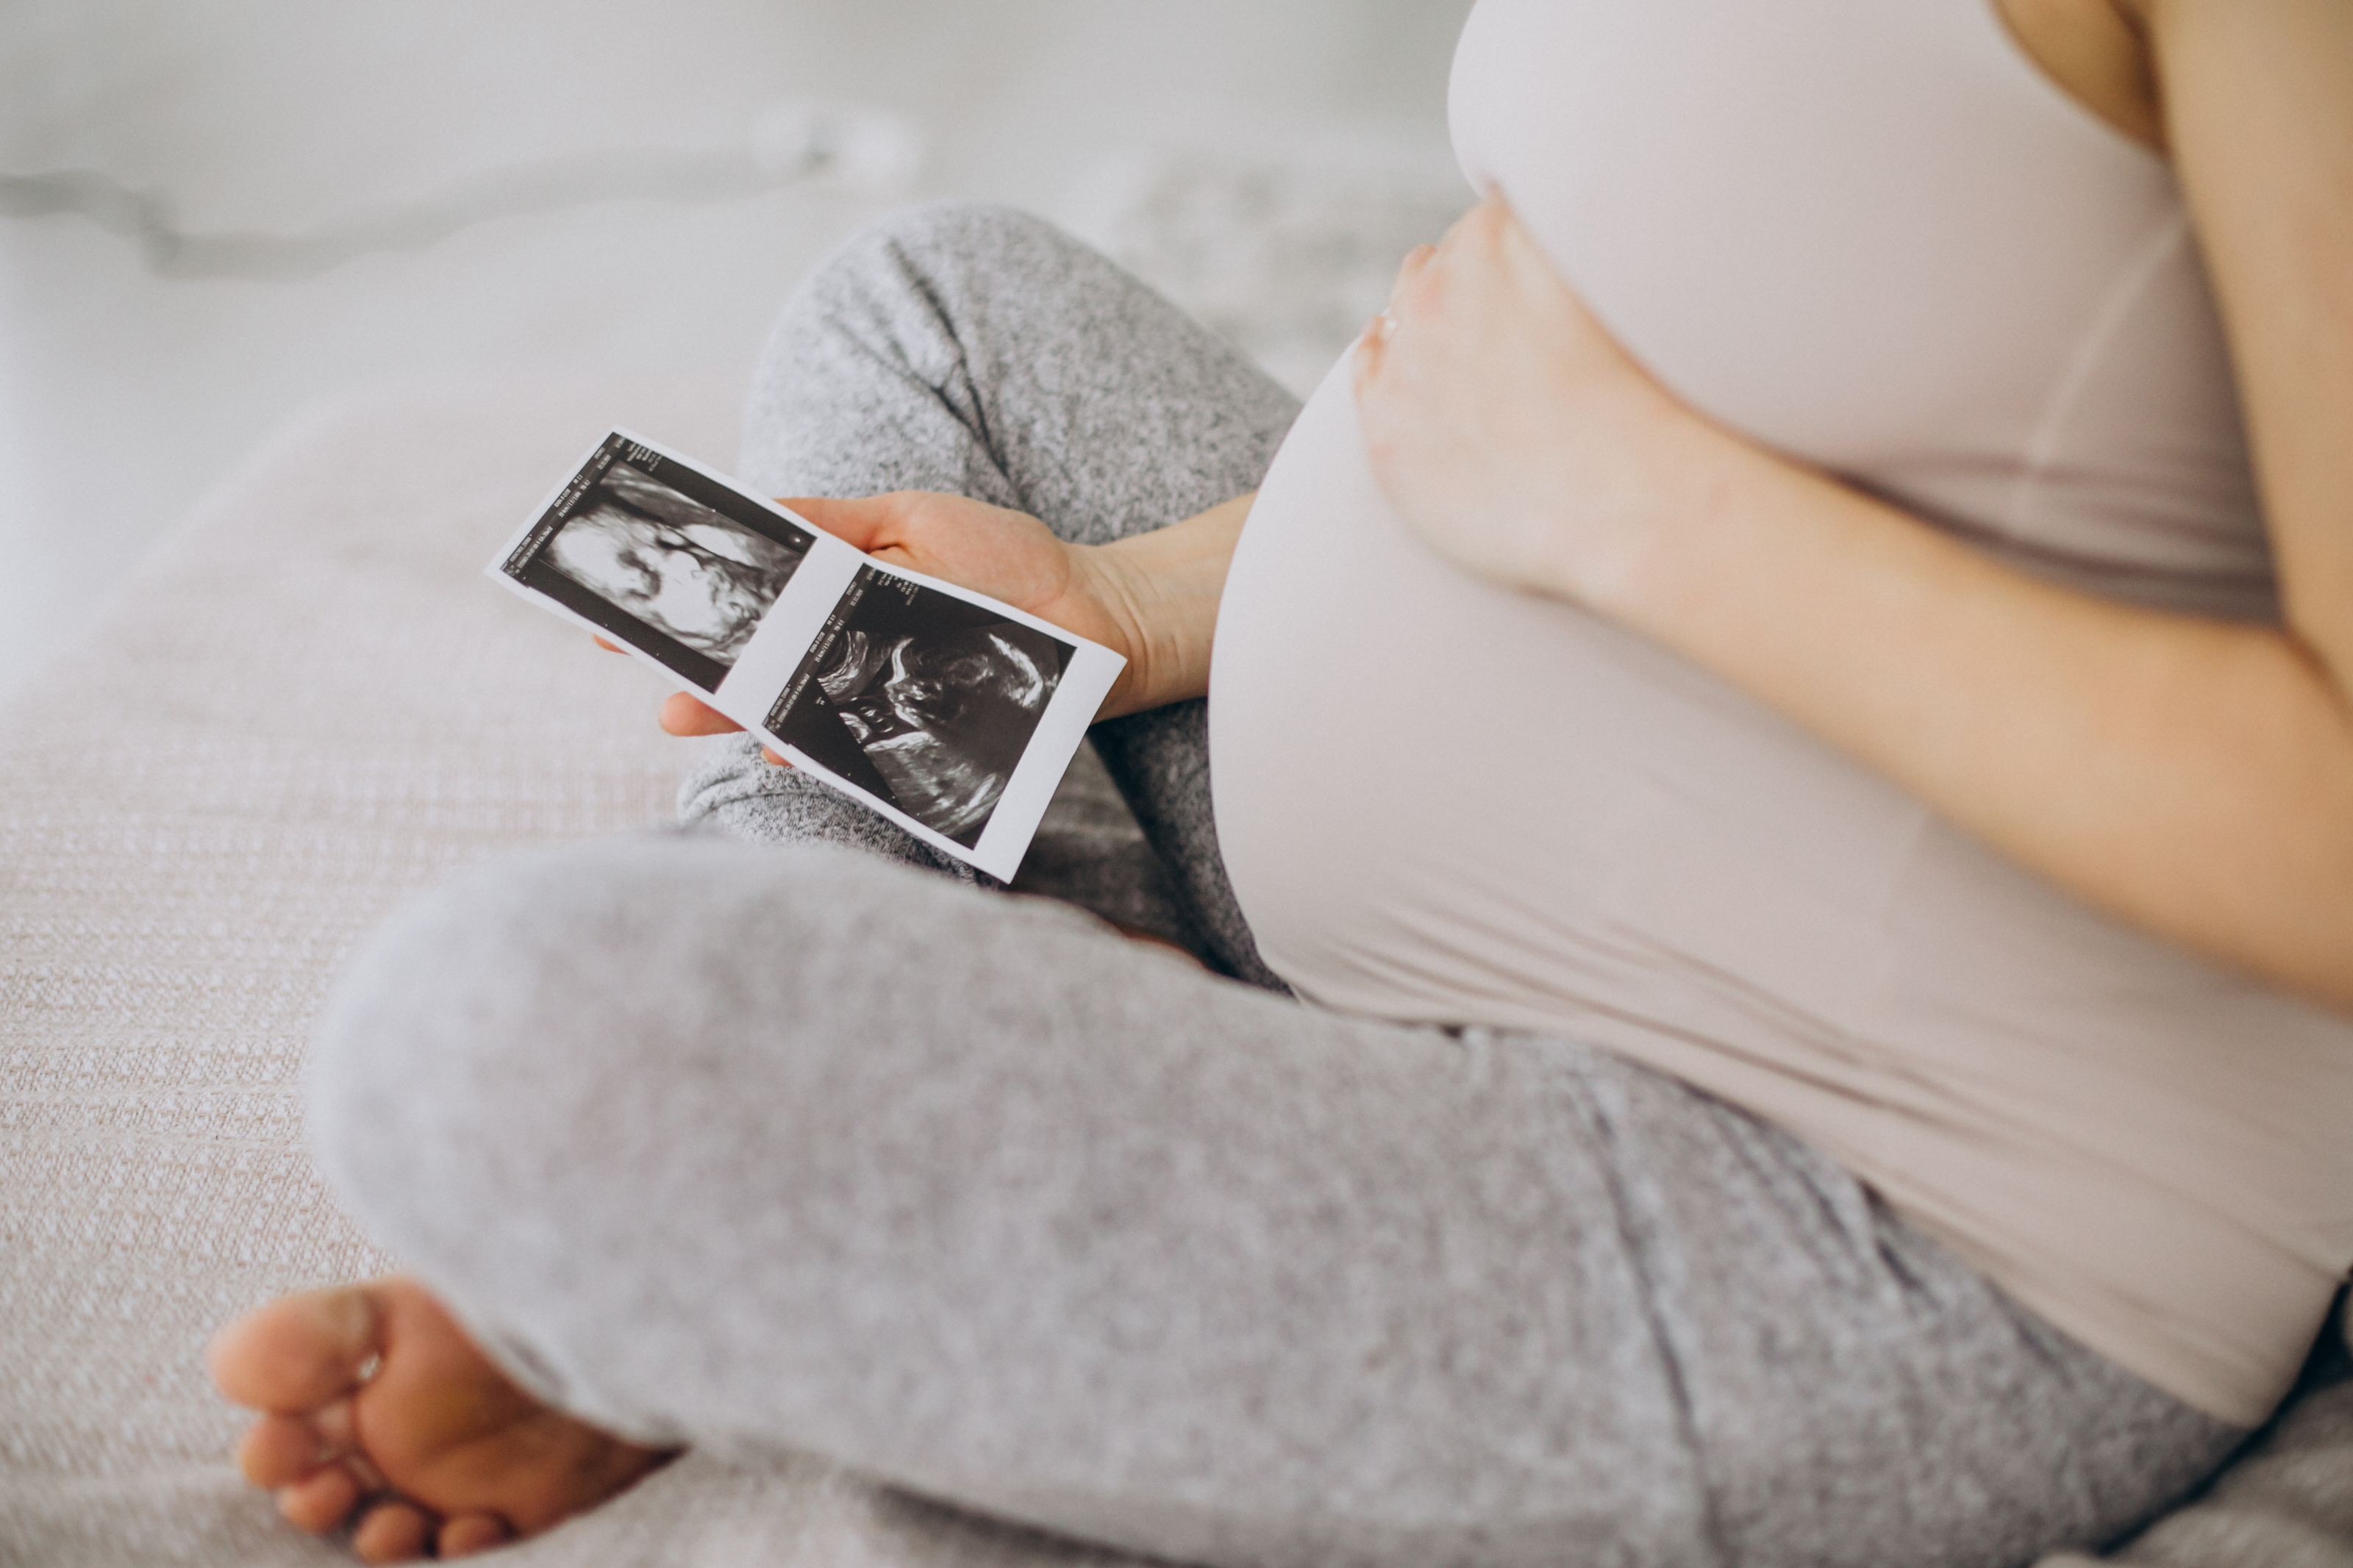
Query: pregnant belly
(1442, 800)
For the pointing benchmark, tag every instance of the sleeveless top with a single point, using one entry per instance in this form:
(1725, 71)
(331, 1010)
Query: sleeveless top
(1873, 236)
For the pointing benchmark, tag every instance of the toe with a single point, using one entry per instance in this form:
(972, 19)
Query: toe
(300, 1353)
(393, 1531)
(282, 1449)
(320, 1502)
(472, 1532)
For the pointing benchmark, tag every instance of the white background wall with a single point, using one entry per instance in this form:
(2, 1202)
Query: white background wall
(125, 393)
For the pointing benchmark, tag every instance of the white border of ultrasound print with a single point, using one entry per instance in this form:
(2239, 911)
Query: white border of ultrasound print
(768, 662)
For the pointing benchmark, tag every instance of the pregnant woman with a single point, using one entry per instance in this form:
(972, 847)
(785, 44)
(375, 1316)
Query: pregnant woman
(1781, 867)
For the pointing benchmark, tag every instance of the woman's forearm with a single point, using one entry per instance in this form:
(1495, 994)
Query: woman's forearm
(2259, 106)
(1162, 589)
(2193, 776)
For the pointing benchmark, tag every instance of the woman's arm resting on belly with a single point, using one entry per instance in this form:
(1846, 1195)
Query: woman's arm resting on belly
(2194, 778)
(1152, 598)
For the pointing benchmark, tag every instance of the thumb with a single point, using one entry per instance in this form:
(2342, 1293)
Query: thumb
(868, 522)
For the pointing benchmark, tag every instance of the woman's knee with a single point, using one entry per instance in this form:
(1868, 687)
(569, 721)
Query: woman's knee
(556, 1056)
(950, 247)
(473, 1045)
(925, 285)
(530, 1035)
(874, 374)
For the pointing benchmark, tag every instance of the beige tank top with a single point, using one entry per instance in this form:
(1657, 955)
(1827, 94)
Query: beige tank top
(1875, 237)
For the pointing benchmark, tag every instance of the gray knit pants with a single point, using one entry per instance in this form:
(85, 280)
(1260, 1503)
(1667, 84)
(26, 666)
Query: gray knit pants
(768, 1135)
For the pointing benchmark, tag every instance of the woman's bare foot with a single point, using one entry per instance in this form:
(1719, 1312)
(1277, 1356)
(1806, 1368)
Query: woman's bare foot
(378, 1408)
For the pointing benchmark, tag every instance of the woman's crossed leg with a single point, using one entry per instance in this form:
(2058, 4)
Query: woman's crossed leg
(766, 1148)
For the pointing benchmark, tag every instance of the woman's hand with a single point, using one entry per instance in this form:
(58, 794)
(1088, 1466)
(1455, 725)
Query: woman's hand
(1151, 598)
(2193, 777)
(1006, 555)
(1512, 433)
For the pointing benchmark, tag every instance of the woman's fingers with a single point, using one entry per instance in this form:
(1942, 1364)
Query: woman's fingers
(1419, 257)
(1370, 350)
(1376, 338)
(1384, 326)
(683, 715)
(867, 522)
(1386, 323)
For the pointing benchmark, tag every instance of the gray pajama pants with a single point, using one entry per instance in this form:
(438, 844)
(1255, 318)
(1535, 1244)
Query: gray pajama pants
(769, 1135)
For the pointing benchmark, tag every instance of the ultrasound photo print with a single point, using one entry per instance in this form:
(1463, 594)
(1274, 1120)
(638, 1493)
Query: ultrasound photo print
(923, 699)
(669, 560)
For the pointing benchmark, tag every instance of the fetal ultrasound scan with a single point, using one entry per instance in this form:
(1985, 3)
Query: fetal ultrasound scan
(948, 712)
(658, 563)
(926, 701)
